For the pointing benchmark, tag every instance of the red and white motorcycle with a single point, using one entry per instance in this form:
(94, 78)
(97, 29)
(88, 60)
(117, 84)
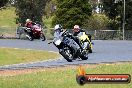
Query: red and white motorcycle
(35, 32)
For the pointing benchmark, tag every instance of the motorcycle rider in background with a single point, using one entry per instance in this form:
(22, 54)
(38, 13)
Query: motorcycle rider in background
(29, 25)
(76, 31)
(82, 38)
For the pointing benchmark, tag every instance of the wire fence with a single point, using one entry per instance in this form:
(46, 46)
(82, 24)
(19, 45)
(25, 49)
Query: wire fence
(7, 32)
(96, 34)
(110, 34)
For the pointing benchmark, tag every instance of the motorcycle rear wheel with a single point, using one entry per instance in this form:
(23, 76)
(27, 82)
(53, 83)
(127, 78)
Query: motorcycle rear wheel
(84, 56)
(90, 51)
(29, 37)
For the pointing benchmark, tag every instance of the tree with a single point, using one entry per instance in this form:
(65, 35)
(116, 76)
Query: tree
(71, 12)
(128, 15)
(113, 9)
(94, 4)
(32, 9)
(3, 3)
(97, 22)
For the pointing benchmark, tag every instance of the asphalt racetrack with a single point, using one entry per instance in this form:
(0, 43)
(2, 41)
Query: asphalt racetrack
(104, 51)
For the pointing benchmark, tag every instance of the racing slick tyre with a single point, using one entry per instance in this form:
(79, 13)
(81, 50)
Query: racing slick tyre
(84, 56)
(67, 54)
(42, 37)
(90, 51)
(29, 37)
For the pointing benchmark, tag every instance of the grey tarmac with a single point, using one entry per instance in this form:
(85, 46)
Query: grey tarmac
(104, 51)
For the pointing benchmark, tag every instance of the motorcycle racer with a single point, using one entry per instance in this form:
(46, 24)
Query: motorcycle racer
(67, 45)
(29, 23)
(82, 37)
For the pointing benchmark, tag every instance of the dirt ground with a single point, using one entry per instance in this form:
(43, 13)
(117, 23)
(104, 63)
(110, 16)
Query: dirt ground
(7, 72)
(28, 71)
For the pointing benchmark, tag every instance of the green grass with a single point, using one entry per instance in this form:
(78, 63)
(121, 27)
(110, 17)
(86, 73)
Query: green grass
(65, 78)
(7, 21)
(7, 17)
(15, 56)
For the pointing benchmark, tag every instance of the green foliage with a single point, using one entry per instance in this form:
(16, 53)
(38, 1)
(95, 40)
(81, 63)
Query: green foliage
(32, 9)
(97, 22)
(3, 3)
(7, 17)
(128, 15)
(71, 12)
(113, 9)
(50, 8)
(110, 8)
(47, 21)
(94, 4)
(114, 25)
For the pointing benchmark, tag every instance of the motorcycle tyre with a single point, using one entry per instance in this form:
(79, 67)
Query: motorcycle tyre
(90, 51)
(42, 37)
(29, 37)
(83, 57)
(65, 56)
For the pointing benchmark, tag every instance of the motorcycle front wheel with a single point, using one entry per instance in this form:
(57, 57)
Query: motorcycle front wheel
(66, 53)
(42, 37)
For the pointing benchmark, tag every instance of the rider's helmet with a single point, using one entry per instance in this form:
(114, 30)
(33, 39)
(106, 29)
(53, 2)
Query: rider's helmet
(58, 27)
(76, 28)
(28, 20)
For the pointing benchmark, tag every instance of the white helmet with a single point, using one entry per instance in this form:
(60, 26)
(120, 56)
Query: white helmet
(28, 20)
(76, 27)
(58, 27)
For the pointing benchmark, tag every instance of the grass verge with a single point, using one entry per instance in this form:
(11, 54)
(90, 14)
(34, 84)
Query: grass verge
(8, 21)
(7, 17)
(65, 77)
(15, 56)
